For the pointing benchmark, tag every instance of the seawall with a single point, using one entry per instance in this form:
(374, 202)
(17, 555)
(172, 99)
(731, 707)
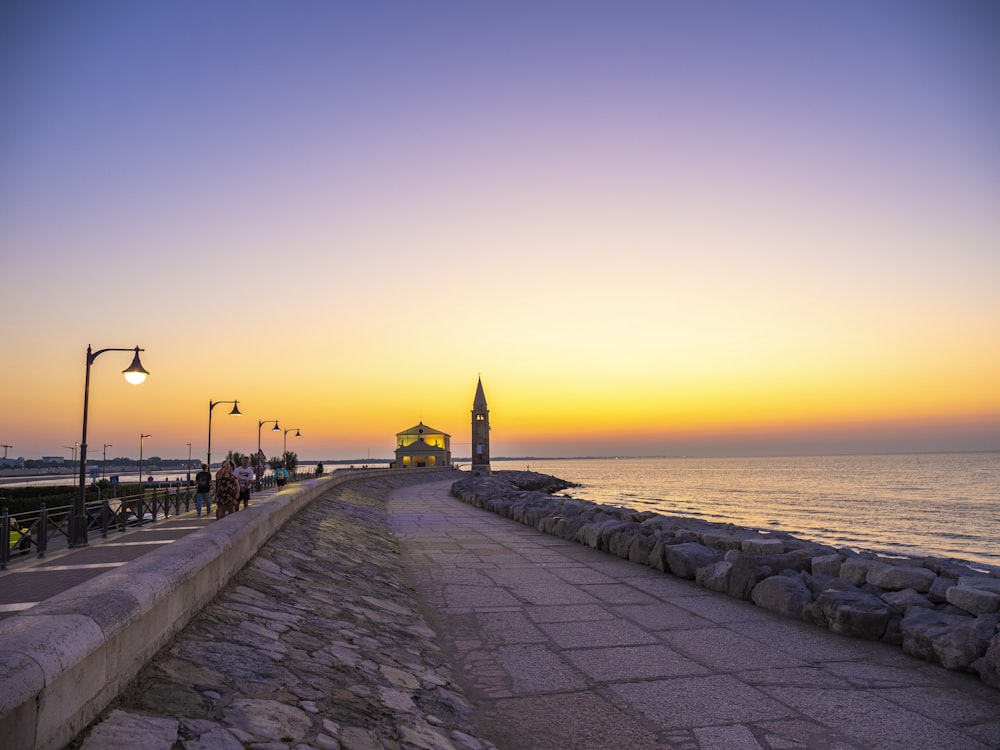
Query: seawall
(64, 660)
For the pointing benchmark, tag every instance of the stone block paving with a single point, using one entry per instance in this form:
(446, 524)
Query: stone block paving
(561, 646)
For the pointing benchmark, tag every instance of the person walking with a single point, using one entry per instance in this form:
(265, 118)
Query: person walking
(227, 491)
(203, 490)
(244, 475)
(281, 476)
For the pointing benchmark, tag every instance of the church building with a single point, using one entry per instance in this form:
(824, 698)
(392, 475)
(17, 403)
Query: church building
(422, 446)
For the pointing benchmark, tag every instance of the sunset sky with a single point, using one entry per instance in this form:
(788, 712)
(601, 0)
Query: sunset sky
(651, 227)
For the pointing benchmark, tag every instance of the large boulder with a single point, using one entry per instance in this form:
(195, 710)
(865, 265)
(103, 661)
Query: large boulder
(715, 577)
(619, 541)
(974, 601)
(954, 641)
(827, 565)
(899, 577)
(853, 613)
(784, 594)
(641, 548)
(988, 665)
(901, 601)
(939, 589)
(855, 570)
(749, 570)
(684, 559)
(762, 545)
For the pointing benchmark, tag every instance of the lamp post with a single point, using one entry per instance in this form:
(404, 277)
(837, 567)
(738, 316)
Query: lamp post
(142, 439)
(284, 449)
(72, 448)
(258, 464)
(189, 464)
(104, 463)
(134, 374)
(234, 413)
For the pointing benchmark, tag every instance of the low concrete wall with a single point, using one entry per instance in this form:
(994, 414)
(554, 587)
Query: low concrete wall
(64, 660)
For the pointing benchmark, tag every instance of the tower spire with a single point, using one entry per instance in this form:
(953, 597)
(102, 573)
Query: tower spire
(480, 433)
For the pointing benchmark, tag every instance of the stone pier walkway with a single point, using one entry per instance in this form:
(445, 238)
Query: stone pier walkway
(561, 646)
(424, 623)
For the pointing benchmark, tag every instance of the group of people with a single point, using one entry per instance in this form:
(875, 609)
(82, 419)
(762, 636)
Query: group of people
(231, 489)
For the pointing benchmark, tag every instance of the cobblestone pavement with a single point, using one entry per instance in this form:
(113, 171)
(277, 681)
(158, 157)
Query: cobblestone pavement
(316, 644)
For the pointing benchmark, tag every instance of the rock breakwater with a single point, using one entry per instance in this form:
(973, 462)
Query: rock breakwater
(940, 610)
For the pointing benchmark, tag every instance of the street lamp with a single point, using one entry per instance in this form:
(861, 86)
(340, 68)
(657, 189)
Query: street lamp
(72, 448)
(104, 463)
(234, 413)
(189, 464)
(134, 374)
(142, 438)
(258, 464)
(285, 447)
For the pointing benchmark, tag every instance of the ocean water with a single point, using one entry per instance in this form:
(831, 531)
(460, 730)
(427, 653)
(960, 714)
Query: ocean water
(937, 504)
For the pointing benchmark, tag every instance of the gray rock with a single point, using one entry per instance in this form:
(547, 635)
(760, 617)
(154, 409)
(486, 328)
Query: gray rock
(762, 546)
(852, 613)
(828, 565)
(855, 570)
(921, 628)
(989, 665)
(715, 577)
(903, 600)
(899, 577)
(786, 595)
(939, 589)
(720, 540)
(640, 549)
(685, 559)
(974, 601)
(961, 647)
(749, 570)
(983, 583)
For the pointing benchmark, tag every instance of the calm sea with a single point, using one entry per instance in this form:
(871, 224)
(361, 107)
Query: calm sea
(940, 504)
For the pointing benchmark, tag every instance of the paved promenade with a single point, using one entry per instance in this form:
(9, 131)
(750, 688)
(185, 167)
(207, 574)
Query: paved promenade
(561, 646)
(423, 622)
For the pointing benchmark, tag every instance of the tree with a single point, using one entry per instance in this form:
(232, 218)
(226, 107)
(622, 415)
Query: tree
(291, 460)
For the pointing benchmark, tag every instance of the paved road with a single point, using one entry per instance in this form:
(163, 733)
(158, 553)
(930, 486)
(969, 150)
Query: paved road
(561, 646)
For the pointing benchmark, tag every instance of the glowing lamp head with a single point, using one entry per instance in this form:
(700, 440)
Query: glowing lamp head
(236, 410)
(136, 373)
(275, 428)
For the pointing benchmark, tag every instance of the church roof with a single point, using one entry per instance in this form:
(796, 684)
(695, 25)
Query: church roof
(422, 429)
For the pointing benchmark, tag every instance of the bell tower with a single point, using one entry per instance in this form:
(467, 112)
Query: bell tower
(480, 434)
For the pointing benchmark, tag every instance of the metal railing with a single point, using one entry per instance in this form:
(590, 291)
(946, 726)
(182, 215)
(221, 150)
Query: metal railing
(48, 529)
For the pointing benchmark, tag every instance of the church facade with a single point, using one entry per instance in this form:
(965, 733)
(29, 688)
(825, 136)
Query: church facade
(422, 446)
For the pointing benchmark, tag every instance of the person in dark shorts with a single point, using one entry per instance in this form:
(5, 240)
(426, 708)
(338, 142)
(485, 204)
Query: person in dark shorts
(244, 475)
(203, 490)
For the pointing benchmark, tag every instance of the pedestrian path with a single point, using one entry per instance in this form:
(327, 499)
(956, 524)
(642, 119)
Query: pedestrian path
(30, 579)
(560, 646)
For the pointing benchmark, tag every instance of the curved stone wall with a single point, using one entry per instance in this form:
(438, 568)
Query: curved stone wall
(65, 659)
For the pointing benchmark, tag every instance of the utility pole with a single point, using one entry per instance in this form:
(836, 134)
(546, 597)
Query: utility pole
(5, 447)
